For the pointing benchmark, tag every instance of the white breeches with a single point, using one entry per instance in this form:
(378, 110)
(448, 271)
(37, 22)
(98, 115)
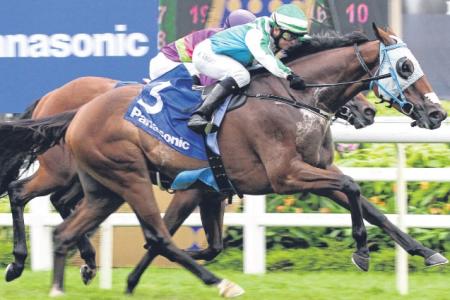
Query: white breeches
(160, 65)
(218, 66)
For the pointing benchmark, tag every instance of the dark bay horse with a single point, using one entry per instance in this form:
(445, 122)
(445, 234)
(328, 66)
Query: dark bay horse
(56, 175)
(266, 147)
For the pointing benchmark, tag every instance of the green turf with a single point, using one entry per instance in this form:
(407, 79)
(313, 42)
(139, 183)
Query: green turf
(179, 284)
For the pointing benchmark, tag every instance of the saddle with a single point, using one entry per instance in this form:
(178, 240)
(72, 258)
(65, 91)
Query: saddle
(237, 100)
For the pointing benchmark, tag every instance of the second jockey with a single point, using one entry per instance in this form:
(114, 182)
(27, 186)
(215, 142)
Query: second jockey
(180, 51)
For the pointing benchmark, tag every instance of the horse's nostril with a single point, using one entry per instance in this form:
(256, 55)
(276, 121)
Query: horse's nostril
(369, 112)
(437, 115)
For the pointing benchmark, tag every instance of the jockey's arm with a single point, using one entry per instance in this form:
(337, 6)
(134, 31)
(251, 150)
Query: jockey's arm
(259, 45)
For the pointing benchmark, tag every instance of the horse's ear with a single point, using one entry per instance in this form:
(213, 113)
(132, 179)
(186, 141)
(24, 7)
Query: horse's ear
(390, 32)
(382, 35)
(376, 30)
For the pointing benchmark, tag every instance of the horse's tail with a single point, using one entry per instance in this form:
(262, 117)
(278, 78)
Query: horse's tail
(24, 139)
(10, 169)
(29, 110)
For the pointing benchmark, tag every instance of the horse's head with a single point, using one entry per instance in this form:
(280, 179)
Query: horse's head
(359, 112)
(408, 90)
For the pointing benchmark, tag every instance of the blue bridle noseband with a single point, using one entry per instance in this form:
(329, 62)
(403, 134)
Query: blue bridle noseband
(397, 87)
(406, 106)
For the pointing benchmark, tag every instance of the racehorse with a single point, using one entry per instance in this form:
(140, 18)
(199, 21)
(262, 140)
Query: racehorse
(266, 146)
(56, 175)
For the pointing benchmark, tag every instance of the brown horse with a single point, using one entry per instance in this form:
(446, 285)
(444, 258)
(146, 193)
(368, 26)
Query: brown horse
(113, 157)
(57, 176)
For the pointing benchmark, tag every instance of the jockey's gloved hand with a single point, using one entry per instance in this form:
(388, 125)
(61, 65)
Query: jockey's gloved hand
(296, 82)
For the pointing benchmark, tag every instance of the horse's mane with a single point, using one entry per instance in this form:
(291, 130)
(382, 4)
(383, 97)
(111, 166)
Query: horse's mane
(324, 41)
(317, 43)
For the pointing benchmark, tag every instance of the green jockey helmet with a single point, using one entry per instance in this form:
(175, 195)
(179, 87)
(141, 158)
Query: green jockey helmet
(290, 18)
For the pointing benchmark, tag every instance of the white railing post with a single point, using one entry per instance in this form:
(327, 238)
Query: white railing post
(254, 235)
(401, 257)
(41, 242)
(106, 254)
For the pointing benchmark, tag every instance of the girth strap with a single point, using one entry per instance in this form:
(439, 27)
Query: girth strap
(218, 170)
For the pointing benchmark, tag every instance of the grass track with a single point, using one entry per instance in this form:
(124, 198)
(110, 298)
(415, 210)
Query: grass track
(179, 284)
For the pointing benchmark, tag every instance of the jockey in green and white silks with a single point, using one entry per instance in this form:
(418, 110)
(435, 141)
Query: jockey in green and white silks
(226, 55)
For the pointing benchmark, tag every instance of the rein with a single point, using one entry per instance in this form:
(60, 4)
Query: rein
(293, 103)
(314, 85)
(328, 116)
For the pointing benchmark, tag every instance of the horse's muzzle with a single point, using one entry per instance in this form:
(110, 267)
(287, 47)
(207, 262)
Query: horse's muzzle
(436, 117)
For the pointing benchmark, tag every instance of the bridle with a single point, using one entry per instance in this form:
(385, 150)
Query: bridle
(406, 107)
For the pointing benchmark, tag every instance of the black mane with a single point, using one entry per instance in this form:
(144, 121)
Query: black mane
(317, 43)
(324, 41)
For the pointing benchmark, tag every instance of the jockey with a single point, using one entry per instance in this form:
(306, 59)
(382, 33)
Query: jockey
(180, 51)
(225, 56)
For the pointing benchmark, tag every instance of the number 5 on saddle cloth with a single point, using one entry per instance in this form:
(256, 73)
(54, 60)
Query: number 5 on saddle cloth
(162, 110)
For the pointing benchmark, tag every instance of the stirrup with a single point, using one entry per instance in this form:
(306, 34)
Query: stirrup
(211, 127)
(197, 127)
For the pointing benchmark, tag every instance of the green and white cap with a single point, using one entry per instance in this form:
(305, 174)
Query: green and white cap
(290, 18)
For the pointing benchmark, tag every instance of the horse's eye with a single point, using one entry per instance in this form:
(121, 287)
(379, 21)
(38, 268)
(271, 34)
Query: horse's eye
(405, 67)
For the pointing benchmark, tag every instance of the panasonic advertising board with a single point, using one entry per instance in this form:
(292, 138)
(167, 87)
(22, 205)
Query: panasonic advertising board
(44, 44)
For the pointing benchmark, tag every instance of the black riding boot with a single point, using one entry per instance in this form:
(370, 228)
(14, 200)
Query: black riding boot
(202, 115)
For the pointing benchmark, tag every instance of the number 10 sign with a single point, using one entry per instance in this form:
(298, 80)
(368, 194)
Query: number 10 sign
(351, 15)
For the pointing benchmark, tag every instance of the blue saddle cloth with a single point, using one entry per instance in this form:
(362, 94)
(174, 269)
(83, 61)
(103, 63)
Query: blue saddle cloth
(162, 110)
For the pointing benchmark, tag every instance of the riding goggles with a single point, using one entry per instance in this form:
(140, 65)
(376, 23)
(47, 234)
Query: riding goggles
(290, 36)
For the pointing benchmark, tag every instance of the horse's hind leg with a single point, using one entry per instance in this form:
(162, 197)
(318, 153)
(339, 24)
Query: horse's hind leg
(139, 195)
(64, 201)
(95, 207)
(181, 206)
(20, 193)
(212, 210)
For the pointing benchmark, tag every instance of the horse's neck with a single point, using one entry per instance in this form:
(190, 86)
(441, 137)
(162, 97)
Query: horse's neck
(333, 66)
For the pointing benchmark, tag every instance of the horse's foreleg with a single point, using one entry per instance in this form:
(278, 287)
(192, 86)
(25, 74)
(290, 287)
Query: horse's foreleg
(211, 211)
(300, 176)
(377, 218)
(20, 193)
(20, 252)
(181, 206)
(413, 247)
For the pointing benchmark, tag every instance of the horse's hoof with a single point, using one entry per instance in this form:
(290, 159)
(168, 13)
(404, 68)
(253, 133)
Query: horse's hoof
(130, 288)
(12, 272)
(228, 289)
(436, 259)
(131, 284)
(87, 274)
(361, 262)
(56, 292)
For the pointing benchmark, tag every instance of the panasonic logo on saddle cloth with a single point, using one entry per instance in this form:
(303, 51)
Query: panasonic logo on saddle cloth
(136, 113)
(118, 43)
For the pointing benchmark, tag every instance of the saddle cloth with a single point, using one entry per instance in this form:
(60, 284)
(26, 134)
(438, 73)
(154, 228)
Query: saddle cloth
(162, 110)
